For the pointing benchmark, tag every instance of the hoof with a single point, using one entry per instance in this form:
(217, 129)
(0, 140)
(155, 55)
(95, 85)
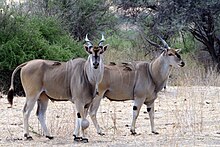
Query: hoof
(84, 140)
(49, 137)
(101, 134)
(28, 137)
(154, 132)
(133, 132)
(80, 139)
(77, 139)
(10, 106)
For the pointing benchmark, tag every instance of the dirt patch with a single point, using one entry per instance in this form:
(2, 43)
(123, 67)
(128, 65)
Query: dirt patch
(184, 116)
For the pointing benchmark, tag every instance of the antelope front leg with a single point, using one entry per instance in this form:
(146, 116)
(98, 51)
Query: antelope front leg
(138, 102)
(150, 110)
(81, 122)
(77, 127)
(93, 112)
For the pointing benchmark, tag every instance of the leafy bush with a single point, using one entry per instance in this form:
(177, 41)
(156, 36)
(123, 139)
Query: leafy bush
(23, 39)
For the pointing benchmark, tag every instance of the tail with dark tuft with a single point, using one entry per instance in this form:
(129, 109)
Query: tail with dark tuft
(11, 90)
(10, 96)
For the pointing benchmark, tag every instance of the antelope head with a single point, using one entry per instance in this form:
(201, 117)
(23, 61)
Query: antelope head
(171, 55)
(95, 52)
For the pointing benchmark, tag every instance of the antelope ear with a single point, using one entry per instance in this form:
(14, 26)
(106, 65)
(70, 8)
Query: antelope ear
(88, 50)
(178, 50)
(104, 48)
(165, 51)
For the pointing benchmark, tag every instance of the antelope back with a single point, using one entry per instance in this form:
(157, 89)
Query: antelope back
(118, 81)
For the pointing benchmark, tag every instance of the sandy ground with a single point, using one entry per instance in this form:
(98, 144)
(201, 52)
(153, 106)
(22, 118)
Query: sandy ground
(184, 117)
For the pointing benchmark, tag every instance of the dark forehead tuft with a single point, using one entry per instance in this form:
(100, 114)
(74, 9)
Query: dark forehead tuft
(173, 51)
(96, 49)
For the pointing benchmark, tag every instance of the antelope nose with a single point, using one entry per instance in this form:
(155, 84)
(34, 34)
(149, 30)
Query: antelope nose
(96, 65)
(182, 64)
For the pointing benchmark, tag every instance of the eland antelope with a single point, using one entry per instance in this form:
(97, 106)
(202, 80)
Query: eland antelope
(75, 80)
(138, 81)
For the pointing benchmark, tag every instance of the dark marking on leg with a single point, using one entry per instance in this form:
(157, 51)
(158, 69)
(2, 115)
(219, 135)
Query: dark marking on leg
(148, 109)
(134, 107)
(78, 115)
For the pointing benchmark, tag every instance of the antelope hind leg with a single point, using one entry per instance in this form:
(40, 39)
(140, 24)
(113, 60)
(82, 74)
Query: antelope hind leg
(41, 110)
(29, 104)
(93, 112)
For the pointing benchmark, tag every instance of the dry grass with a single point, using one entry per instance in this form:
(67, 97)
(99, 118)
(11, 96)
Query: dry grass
(186, 114)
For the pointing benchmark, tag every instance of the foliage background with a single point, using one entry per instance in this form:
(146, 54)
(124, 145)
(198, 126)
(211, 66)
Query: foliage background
(55, 30)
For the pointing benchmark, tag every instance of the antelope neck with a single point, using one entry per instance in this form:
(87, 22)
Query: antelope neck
(159, 72)
(94, 75)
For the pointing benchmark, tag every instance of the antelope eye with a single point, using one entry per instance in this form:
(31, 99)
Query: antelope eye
(90, 47)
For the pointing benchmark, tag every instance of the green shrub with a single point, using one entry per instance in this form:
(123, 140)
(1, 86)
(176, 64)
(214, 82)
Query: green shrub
(23, 39)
